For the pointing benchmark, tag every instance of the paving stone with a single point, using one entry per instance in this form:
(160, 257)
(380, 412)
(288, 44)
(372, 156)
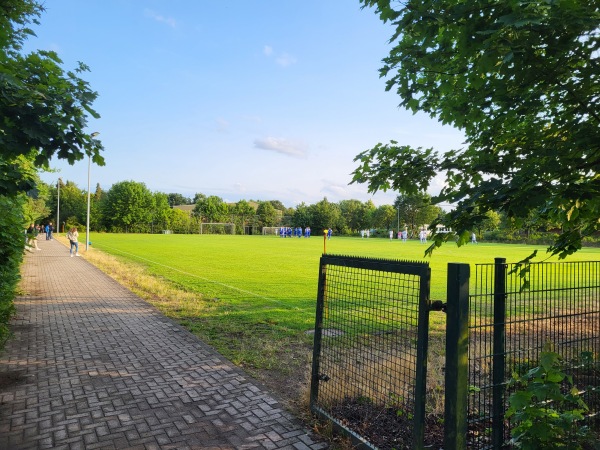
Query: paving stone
(103, 369)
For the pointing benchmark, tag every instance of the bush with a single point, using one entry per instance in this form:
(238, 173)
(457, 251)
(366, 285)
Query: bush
(12, 242)
(546, 410)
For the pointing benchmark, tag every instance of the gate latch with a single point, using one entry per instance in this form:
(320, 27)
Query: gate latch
(437, 305)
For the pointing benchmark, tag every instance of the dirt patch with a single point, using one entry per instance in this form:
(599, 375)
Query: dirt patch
(13, 378)
(386, 428)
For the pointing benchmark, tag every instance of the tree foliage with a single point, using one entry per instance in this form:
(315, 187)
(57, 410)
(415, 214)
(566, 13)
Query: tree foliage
(325, 215)
(175, 198)
(302, 216)
(212, 209)
(267, 214)
(73, 203)
(416, 210)
(128, 205)
(242, 213)
(11, 254)
(161, 210)
(356, 214)
(44, 109)
(522, 81)
(384, 216)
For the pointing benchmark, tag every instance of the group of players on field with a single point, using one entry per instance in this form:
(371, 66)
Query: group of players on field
(288, 232)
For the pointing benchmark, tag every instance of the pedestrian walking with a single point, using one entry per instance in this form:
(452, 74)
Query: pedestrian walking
(49, 230)
(32, 233)
(73, 237)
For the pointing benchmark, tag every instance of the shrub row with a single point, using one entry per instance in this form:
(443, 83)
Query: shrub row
(12, 242)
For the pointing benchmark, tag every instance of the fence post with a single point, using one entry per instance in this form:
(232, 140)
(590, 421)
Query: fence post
(321, 294)
(421, 366)
(457, 357)
(499, 352)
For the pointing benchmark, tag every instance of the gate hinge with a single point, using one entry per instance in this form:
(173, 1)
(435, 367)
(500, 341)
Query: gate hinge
(437, 305)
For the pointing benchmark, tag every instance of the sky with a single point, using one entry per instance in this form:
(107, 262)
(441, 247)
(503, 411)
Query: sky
(243, 99)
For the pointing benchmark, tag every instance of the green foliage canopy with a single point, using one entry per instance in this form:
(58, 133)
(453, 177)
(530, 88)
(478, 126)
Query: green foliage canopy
(356, 214)
(416, 210)
(324, 215)
(267, 214)
(43, 108)
(11, 251)
(212, 209)
(522, 81)
(128, 205)
(384, 216)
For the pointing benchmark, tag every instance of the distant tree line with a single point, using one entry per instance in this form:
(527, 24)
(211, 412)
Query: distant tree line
(129, 206)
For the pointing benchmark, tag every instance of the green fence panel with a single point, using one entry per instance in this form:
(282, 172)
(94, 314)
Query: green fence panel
(369, 361)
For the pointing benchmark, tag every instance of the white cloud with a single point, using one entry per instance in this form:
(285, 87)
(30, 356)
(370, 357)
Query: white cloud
(335, 189)
(285, 60)
(239, 187)
(159, 18)
(280, 145)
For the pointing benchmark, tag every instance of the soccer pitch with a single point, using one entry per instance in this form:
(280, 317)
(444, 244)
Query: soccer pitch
(267, 278)
(254, 297)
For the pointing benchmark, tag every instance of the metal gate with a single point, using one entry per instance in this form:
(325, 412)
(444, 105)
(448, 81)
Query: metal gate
(372, 338)
(370, 352)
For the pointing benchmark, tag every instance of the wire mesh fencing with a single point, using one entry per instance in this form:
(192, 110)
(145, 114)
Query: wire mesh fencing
(372, 336)
(516, 312)
(370, 347)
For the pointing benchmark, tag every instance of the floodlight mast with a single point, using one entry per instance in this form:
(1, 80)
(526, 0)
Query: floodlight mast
(87, 222)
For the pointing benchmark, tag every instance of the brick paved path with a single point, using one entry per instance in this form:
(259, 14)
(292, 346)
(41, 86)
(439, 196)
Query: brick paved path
(94, 366)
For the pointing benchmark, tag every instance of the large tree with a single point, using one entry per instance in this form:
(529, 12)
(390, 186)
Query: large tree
(325, 215)
(161, 211)
(356, 214)
(522, 81)
(242, 212)
(43, 108)
(302, 216)
(384, 216)
(128, 206)
(175, 198)
(73, 204)
(211, 209)
(416, 210)
(267, 214)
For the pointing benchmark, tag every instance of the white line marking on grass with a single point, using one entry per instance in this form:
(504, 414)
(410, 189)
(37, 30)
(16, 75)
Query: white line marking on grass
(193, 275)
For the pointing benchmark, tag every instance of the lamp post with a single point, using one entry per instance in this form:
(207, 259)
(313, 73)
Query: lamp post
(58, 205)
(87, 222)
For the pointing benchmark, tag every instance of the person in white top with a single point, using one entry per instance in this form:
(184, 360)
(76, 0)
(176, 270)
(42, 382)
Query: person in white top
(73, 237)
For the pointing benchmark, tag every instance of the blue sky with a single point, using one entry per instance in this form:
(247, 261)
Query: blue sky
(243, 99)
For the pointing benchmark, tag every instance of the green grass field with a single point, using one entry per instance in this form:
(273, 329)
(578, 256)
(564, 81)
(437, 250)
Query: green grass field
(273, 273)
(256, 291)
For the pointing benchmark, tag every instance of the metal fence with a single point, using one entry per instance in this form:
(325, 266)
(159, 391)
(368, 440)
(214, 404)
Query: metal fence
(370, 345)
(516, 312)
(372, 338)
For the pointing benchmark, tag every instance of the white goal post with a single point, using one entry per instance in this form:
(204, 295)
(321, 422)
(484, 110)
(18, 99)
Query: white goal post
(217, 228)
(269, 231)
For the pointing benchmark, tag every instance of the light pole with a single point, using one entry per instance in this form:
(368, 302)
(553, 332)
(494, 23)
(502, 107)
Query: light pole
(87, 222)
(58, 205)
